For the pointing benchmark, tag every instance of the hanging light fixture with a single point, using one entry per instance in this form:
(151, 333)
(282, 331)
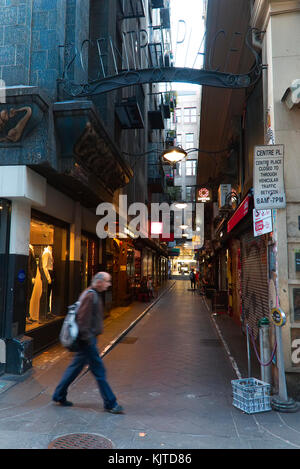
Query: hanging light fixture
(174, 155)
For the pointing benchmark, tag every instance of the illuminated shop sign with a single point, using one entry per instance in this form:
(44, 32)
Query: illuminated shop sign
(203, 194)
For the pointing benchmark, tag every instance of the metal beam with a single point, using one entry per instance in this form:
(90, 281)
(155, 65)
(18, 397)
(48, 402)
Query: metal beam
(160, 75)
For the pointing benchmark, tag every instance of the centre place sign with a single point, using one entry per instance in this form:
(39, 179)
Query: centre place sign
(268, 177)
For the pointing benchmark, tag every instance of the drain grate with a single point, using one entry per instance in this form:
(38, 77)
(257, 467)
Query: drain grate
(128, 340)
(81, 441)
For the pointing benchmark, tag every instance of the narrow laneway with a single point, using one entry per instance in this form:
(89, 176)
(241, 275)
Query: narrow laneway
(173, 376)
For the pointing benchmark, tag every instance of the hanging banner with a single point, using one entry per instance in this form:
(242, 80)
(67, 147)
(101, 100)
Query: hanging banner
(262, 222)
(268, 177)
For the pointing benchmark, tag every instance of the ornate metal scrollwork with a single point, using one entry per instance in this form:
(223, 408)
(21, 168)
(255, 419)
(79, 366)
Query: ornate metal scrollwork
(205, 77)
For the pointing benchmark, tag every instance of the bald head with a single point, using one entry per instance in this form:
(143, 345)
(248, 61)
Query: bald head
(101, 281)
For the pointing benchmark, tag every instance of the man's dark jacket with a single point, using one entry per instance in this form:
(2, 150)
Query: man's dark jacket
(90, 315)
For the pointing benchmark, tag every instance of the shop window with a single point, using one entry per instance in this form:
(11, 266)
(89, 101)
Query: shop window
(190, 115)
(296, 304)
(89, 259)
(190, 194)
(191, 167)
(189, 141)
(178, 115)
(47, 272)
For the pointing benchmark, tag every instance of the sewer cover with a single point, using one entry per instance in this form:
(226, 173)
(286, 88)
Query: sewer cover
(81, 441)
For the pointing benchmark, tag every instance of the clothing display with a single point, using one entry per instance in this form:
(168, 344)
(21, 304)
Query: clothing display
(32, 271)
(46, 262)
(40, 284)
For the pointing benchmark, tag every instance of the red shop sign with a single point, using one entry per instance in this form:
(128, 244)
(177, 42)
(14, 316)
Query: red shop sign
(239, 214)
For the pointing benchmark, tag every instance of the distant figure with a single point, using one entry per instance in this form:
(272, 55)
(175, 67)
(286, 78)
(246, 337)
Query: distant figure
(143, 287)
(150, 286)
(193, 279)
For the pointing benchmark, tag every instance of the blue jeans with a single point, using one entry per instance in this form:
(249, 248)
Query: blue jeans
(87, 354)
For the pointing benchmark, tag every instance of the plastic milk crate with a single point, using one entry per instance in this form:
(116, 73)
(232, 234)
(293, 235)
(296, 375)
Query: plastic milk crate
(251, 395)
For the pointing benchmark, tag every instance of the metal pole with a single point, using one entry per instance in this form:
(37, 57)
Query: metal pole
(248, 352)
(262, 371)
(281, 403)
(265, 352)
(280, 363)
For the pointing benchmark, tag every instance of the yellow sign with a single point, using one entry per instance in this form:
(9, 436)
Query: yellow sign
(278, 317)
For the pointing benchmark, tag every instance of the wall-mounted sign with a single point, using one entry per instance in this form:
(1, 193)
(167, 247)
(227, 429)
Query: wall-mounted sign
(268, 177)
(239, 214)
(203, 195)
(174, 252)
(262, 222)
(278, 317)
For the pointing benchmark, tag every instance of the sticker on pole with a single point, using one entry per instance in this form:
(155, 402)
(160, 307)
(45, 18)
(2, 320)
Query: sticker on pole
(268, 177)
(278, 317)
(262, 222)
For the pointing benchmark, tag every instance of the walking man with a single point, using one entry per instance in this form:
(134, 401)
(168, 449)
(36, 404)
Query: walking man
(90, 323)
(193, 279)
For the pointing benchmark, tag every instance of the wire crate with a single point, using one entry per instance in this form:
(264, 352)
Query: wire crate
(251, 395)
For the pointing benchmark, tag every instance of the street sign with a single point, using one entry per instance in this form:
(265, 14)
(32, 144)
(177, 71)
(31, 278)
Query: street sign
(278, 317)
(262, 222)
(268, 177)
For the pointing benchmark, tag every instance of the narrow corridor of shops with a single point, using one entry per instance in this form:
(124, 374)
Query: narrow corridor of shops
(173, 377)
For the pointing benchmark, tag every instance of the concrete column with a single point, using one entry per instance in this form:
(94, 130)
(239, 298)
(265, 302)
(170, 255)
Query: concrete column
(17, 269)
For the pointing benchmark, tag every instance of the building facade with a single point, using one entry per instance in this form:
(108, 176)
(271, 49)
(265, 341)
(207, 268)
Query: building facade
(62, 155)
(258, 272)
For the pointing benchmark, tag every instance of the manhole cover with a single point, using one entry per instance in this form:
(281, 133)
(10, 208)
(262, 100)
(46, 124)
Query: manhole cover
(81, 441)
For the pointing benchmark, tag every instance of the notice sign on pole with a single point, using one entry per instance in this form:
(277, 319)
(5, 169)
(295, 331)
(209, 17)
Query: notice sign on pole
(268, 177)
(262, 222)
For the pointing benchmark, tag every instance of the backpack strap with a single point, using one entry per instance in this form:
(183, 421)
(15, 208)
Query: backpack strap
(96, 299)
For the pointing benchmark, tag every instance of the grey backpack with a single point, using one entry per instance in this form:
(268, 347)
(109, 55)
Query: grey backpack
(69, 332)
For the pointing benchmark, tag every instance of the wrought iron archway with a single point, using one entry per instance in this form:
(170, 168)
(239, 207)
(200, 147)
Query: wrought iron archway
(162, 72)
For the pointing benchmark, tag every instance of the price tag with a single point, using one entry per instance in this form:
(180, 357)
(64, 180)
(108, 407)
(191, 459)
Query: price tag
(278, 317)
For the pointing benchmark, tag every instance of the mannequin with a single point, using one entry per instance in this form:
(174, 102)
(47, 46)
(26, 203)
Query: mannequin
(46, 269)
(32, 270)
(47, 262)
